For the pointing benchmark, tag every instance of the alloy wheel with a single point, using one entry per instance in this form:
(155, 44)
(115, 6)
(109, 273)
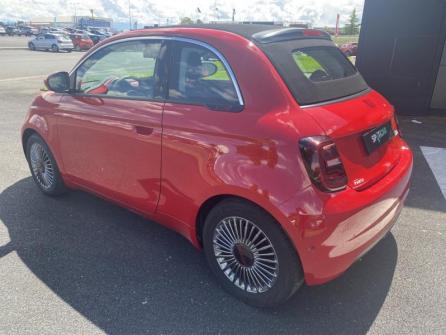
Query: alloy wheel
(245, 254)
(42, 166)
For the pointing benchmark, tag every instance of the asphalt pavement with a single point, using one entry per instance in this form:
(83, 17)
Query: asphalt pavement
(80, 265)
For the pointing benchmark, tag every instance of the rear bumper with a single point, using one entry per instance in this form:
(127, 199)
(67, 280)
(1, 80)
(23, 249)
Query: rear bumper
(334, 230)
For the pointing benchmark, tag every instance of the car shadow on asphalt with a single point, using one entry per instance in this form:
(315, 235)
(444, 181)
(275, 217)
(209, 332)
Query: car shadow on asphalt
(128, 275)
(425, 193)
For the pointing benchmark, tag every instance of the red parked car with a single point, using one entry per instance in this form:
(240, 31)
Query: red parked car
(349, 49)
(262, 146)
(81, 42)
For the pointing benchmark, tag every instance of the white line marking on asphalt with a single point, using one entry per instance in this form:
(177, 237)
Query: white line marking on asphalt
(436, 158)
(23, 78)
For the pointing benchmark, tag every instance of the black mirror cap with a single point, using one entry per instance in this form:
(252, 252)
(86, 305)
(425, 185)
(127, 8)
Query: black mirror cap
(58, 82)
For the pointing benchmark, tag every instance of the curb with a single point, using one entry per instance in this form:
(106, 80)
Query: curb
(13, 48)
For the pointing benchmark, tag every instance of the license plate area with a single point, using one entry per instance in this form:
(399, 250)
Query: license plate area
(376, 137)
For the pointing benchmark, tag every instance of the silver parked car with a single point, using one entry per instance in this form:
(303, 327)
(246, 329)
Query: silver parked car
(53, 42)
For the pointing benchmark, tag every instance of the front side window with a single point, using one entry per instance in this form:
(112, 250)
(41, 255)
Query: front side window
(198, 76)
(126, 69)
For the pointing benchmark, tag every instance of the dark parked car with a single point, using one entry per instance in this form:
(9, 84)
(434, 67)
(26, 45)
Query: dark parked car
(12, 31)
(261, 145)
(96, 38)
(27, 31)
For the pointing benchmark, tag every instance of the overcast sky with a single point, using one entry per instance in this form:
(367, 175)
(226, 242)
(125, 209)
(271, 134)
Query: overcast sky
(317, 12)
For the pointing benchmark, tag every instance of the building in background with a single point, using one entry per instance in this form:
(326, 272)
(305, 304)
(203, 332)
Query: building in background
(72, 21)
(402, 52)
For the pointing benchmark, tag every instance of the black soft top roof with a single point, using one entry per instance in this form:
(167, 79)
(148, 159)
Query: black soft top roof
(278, 43)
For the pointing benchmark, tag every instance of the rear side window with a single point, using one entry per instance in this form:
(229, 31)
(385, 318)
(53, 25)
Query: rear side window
(198, 76)
(323, 63)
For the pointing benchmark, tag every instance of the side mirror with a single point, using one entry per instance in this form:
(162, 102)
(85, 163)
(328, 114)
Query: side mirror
(58, 82)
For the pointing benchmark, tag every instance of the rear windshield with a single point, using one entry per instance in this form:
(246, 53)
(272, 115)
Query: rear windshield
(315, 71)
(323, 63)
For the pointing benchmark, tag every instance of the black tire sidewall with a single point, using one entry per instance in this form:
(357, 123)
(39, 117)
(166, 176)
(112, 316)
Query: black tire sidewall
(290, 276)
(58, 187)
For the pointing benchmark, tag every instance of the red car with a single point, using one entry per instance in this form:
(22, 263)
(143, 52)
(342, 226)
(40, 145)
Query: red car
(81, 42)
(349, 49)
(262, 146)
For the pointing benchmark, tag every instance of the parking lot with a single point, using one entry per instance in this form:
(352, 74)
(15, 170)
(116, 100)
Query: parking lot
(80, 265)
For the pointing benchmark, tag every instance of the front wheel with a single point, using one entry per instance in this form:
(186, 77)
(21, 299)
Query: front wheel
(250, 254)
(43, 166)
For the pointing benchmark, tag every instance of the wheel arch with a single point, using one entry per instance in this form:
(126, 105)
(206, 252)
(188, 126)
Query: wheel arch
(213, 201)
(27, 133)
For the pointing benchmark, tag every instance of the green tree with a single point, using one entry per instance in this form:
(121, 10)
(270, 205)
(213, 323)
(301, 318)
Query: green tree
(352, 27)
(186, 20)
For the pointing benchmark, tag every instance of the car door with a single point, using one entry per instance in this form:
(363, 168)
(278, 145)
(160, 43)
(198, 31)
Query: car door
(200, 111)
(110, 126)
(39, 41)
(48, 41)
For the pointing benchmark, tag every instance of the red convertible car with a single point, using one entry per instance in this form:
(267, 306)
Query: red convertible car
(262, 146)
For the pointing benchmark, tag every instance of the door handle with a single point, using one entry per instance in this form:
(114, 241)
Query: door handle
(143, 130)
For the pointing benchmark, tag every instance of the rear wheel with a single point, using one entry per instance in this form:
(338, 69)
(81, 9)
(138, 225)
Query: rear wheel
(43, 166)
(77, 48)
(54, 48)
(250, 255)
(32, 46)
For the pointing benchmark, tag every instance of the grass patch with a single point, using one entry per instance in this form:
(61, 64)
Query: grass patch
(342, 39)
(306, 64)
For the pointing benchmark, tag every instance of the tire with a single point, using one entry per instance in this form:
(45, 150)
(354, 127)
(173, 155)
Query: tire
(77, 48)
(54, 48)
(259, 286)
(43, 166)
(69, 50)
(32, 46)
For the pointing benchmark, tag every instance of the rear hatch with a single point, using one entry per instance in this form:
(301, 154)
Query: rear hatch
(330, 89)
(348, 123)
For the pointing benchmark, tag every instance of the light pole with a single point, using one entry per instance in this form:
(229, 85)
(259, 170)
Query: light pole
(130, 15)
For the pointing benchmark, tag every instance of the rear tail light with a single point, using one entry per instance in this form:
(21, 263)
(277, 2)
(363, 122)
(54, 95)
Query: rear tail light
(323, 163)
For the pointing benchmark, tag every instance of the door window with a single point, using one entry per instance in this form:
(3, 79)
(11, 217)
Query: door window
(198, 76)
(127, 69)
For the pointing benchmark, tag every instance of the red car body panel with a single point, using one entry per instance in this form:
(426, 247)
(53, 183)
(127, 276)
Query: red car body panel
(166, 160)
